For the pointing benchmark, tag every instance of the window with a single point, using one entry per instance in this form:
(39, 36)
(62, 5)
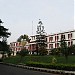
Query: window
(57, 38)
(50, 39)
(18, 48)
(14, 44)
(57, 45)
(46, 39)
(62, 36)
(68, 36)
(71, 35)
(32, 38)
(50, 46)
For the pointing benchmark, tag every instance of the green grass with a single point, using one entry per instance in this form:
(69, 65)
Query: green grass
(40, 59)
(44, 62)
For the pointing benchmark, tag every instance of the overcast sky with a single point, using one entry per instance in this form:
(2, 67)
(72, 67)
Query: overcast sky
(17, 15)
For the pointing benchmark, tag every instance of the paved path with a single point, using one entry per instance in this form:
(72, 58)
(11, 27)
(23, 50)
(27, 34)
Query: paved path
(9, 70)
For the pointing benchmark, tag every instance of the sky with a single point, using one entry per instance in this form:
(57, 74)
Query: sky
(21, 16)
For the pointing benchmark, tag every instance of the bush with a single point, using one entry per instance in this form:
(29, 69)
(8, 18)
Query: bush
(52, 66)
(23, 52)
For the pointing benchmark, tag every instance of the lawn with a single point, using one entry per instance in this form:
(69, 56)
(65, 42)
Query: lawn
(40, 59)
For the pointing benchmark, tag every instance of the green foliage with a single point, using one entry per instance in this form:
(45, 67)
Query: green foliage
(52, 66)
(44, 62)
(56, 51)
(41, 44)
(64, 48)
(54, 60)
(9, 53)
(4, 46)
(23, 52)
(42, 51)
(13, 60)
(3, 35)
(23, 37)
(4, 49)
(71, 49)
(4, 32)
(43, 59)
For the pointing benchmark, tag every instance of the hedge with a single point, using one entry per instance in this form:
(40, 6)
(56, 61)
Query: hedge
(67, 67)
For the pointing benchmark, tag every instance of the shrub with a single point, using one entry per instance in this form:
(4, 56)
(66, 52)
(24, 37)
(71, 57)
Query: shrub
(52, 66)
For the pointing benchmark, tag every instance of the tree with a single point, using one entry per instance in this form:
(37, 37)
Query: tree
(43, 51)
(64, 48)
(41, 43)
(4, 34)
(41, 40)
(23, 53)
(56, 51)
(23, 37)
(72, 49)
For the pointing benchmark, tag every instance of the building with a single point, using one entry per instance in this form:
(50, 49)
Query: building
(53, 40)
(15, 47)
(32, 44)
